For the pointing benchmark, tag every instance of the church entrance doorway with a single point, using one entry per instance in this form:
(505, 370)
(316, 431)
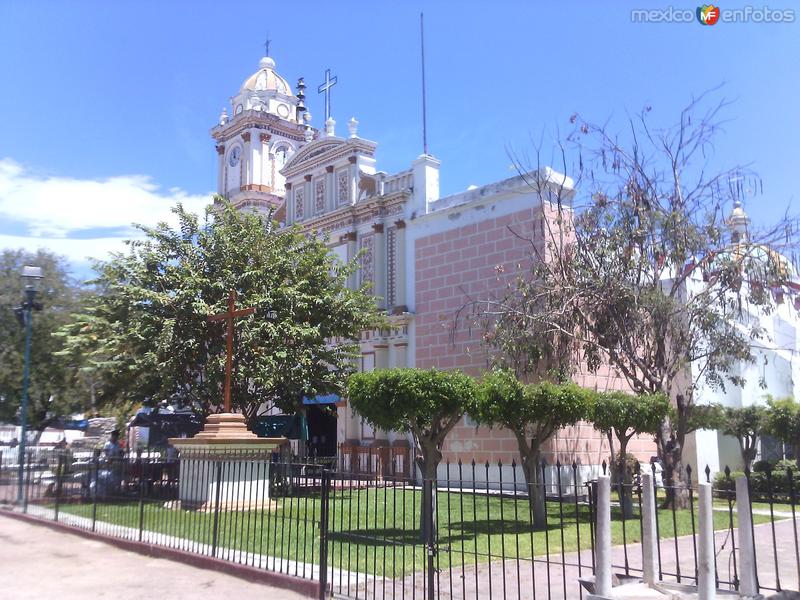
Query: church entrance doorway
(321, 429)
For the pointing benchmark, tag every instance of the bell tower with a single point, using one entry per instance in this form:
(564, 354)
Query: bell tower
(267, 124)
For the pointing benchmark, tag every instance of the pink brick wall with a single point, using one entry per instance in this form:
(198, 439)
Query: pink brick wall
(472, 261)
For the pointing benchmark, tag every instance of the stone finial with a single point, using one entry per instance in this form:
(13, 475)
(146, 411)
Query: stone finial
(223, 117)
(330, 126)
(352, 126)
(738, 221)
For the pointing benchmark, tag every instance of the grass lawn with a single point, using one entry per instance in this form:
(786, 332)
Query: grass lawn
(375, 530)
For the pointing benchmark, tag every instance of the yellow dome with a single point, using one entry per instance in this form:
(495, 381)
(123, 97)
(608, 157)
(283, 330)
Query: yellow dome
(266, 79)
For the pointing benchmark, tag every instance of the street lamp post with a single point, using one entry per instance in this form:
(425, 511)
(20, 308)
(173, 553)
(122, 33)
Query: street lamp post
(31, 277)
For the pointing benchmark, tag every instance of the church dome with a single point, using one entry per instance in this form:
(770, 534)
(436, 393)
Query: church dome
(266, 79)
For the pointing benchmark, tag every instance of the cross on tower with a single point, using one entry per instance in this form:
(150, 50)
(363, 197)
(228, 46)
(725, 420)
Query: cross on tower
(325, 88)
(267, 42)
(228, 317)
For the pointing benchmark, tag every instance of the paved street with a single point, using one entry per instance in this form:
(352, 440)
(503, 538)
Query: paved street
(38, 563)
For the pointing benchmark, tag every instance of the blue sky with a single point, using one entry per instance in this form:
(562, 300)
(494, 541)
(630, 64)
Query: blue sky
(107, 105)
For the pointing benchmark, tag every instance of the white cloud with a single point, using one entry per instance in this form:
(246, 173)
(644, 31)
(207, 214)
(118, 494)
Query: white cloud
(53, 211)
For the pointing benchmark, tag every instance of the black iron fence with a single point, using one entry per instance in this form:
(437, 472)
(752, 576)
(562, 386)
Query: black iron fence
(492, 533)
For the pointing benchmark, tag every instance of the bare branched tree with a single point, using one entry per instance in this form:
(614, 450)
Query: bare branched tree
(645, 261)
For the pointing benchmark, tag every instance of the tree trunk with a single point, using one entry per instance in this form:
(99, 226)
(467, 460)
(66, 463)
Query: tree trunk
(624, 481)
(534, 478)
(428, 465)
(670, 450)
(748, 449)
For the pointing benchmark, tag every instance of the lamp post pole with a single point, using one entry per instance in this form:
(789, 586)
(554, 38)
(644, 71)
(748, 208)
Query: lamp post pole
(31, 276)
(23, 410)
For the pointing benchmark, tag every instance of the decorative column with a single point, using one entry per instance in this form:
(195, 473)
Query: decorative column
(266, 177)
(308, 197)
(381, 456)
(706, 582)
(401, 355)
(602, 572)
(379, 266)
(748, 587)
(350, 237)
(220, 169)
(649, 536)
(330, 189)
(289, 204)
(400, 301)
(247, 162)
(353, 160)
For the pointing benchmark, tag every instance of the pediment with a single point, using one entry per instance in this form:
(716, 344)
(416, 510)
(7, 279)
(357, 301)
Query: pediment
(312, 153)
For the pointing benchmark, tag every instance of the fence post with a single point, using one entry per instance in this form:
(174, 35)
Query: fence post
(430, 533)
(323, 534)
(649, 537)
(28, 481)
(602, 580)
(706, 581)
(141, 493)
(96, 465)
(748, 587)
(59, 475)
(217, 495)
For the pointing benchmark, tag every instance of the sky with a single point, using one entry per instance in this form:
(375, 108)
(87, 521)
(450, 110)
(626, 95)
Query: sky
(106, 106)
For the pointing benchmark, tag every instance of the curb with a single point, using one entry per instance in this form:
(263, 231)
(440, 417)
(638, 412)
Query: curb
(306, 587)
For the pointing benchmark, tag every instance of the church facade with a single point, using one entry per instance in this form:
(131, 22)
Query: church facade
(424, 256)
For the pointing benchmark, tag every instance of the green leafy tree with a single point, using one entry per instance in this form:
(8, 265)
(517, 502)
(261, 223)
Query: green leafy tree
(425, 403)
(783, 422)
(147, 335)
(746, 425)
(622, 416)
(533, 413)
(52, 392)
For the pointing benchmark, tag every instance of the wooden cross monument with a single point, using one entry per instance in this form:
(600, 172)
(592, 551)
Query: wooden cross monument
(228, 317)
(226, 437)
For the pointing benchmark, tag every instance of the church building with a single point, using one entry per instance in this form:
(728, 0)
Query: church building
(423, 256)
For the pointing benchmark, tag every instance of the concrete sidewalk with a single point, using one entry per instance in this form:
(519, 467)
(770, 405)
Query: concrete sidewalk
(40, 563)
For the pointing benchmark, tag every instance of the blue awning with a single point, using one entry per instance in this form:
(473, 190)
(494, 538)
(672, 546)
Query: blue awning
(325, 399)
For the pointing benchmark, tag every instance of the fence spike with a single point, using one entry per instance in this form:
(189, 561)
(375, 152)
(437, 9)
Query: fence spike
(574, 466)
(689, 474)
(499, 464)
(459, 463)
(558, 464)
(605, 467)
(473, 463)
(513, 463)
